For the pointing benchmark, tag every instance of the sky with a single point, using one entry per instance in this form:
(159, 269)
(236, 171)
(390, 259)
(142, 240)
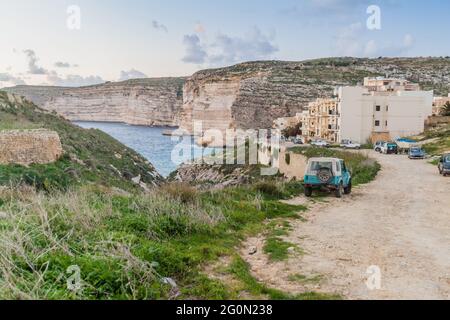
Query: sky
(83, 42)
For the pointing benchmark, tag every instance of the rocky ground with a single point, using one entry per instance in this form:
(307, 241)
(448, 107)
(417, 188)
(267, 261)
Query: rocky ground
(399, 223)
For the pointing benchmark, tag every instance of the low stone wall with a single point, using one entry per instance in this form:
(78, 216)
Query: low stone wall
(27, 147)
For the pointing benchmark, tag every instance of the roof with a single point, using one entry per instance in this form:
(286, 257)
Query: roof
(325, 159)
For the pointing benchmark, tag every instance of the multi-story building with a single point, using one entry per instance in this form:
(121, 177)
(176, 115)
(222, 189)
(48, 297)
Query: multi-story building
(380, 84)
(322, 120)
(366, 115)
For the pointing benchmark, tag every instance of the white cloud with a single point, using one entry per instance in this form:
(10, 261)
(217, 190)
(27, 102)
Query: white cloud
(10, 79)
(61, 64)
(195, 52)
(159, 26)
(225, 49)
(131, 74)
(73, 80)
(33, 67)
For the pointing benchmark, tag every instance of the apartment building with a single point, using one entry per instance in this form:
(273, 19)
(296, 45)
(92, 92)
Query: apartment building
(380, 84)
(366, 114)
(322, 120)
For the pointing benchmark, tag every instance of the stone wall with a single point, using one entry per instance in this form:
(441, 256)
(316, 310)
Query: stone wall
(27, 147)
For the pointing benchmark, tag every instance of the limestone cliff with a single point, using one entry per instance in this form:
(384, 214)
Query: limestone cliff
(151, 102)
(252, 95)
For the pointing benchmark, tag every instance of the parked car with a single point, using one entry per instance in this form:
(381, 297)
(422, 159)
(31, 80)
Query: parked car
(444, 165)
(297, 141)
(378, 145)
(320, 143)
(389, 148)
(416, 153)
(348, 144)
(329, 173)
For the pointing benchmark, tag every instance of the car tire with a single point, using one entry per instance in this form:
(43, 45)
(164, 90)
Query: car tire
(308, 192)
(339, 191)
(348, 190)
(441, 171)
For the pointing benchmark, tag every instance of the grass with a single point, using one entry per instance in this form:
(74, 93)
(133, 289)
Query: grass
(125, 244)
(90, 156)
(302, 279)
(441, 144)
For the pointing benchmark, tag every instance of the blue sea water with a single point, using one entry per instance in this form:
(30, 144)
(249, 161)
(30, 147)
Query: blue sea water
(152, 144)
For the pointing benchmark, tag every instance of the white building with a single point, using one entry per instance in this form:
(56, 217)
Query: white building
(366, 114)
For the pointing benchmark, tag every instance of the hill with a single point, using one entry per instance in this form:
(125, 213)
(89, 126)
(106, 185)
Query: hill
(90, 156)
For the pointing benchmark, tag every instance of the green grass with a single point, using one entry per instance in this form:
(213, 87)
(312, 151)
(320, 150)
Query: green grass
(277, 249)
(90, 156)
(125, 244)
(302, 279)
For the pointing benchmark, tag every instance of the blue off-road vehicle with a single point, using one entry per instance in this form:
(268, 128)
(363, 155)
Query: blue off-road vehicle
(327, 173)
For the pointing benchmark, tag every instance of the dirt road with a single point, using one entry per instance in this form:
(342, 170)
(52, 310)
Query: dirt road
(399, 223)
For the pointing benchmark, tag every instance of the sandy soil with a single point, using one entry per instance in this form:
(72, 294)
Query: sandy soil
(400, 223)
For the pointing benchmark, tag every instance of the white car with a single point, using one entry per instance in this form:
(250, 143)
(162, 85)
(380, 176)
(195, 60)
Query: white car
(348, 144)
(320, 143)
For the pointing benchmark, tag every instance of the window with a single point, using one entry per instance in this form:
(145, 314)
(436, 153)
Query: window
(386, 123)
(377, 123)
(387, 108)
(378, 108)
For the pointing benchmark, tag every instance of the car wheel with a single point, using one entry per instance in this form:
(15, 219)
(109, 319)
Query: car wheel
(339, 191)
(348, 190)
(441, 171)
(308, 191)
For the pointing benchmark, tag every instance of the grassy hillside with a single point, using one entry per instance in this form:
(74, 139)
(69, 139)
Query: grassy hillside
(90, 156)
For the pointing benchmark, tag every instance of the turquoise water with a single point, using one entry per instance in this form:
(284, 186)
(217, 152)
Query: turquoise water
(151, 143)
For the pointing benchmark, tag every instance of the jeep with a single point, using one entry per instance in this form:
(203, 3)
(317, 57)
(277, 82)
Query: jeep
(327, 173)
(444, 165)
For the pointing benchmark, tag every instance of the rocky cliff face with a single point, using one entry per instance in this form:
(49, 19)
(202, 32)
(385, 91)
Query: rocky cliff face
(252, 95)
(244, 96)
(150, 102)
(27, 147)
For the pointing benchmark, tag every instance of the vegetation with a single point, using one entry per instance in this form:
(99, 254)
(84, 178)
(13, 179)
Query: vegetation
(91, 156)
(437, 140)
(446, 110)
(125, 245)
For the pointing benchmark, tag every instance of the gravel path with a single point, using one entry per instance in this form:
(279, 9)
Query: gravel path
(399, 223)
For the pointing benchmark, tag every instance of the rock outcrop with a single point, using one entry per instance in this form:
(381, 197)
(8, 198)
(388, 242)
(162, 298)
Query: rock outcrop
(27, 147)
(149, 102)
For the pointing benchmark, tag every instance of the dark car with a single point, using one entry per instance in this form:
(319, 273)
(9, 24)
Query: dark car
(416, 153)
(444, 165)
(389, 148)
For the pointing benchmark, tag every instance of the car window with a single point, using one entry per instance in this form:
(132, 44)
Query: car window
(338, 166)
(447, 158)
(317, 165)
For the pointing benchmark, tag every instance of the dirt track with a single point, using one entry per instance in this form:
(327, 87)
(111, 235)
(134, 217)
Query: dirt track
(400, 223)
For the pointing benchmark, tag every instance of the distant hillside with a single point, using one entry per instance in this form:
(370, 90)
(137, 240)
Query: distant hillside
(253, 94)
(246, 95)
(90, 156)
(152, 102)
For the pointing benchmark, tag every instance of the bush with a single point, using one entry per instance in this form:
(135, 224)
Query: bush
(269, 188)
(180, 191)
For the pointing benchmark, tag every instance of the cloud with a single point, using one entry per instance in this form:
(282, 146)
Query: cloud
(353, 41)
(60, 64)
(199, 28)
(194, 50)
(159, 26)
(73, 80)
(131, 74)
(225, 49)
(6, 77)
(33, 67)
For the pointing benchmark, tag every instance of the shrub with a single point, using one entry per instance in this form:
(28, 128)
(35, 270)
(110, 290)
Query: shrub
(180, 191)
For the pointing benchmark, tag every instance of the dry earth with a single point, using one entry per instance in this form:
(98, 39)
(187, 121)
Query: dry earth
(400, 223)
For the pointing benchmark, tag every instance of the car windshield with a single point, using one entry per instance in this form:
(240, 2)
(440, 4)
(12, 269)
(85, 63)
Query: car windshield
(447, 158)
(317, 165)
(416, 150)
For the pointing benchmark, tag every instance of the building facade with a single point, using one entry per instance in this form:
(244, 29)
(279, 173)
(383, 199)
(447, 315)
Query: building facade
(365, 114)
